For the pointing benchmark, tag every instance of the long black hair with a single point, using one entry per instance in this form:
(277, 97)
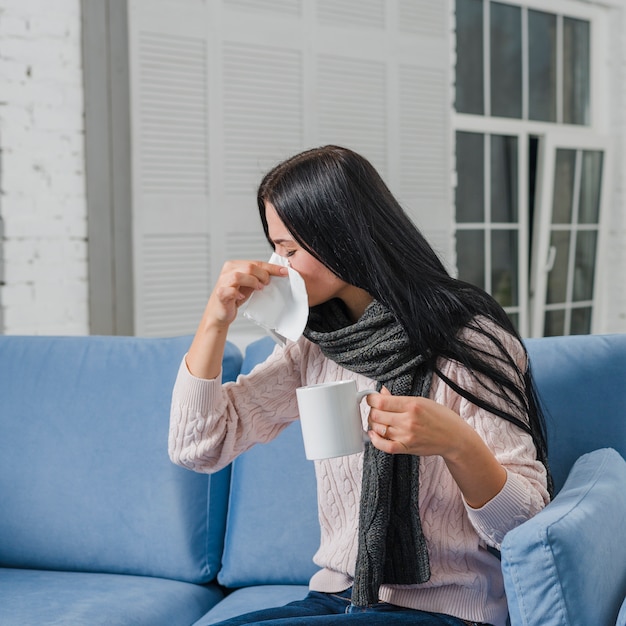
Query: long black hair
(338, 208)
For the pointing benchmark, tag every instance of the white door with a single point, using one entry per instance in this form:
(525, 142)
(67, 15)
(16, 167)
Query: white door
(571, 190)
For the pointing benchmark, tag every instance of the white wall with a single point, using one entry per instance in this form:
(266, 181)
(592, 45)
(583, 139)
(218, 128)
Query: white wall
(614, 282)
(42, 171)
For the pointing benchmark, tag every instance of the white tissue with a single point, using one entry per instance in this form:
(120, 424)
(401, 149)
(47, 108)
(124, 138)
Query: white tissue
(282, 306)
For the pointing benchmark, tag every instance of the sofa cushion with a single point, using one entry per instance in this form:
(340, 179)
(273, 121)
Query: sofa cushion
(251, 599)
(86, 483)
(77, 599)
(566, 565)
(272, 531)
(270, 484)
(576, 376)
(621, 618)
(256, 352)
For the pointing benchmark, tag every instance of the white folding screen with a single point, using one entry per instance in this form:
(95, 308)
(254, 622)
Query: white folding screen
(172, 243)
(223, 89)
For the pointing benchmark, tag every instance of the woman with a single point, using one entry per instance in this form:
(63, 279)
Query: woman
(457, 452)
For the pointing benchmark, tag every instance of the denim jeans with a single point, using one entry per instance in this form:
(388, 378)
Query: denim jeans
(327, 609)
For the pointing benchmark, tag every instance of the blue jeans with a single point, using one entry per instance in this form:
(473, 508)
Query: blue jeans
(327, 609)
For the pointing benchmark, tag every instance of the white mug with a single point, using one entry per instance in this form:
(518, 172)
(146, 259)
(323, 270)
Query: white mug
(331, 419)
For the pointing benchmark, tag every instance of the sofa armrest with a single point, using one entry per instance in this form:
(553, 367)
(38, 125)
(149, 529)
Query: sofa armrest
(567, 565)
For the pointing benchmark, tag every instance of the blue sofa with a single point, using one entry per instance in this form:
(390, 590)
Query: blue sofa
(97, 526)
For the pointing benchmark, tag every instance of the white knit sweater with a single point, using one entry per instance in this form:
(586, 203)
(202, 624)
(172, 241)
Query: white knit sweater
(212, 423)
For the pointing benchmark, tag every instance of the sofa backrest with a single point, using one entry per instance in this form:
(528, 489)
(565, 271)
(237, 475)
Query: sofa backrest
(86, 483)
(272, 529)
(582, 385)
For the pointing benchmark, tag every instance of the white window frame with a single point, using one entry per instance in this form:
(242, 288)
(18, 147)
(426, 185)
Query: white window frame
(542, 257)
(548, 133)
(473, 124)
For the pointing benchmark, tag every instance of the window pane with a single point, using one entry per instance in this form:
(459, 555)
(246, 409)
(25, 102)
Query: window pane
(563, 186)
(575, 71)
(470, 190)
(506, 60)
(514, 317)
(469, 57)
(504, 183)
(585, 265)
(581, 321)
(504, 270)
(470, 256)
(591, 178)
(554, 324)
(557, 278)
(542, 66)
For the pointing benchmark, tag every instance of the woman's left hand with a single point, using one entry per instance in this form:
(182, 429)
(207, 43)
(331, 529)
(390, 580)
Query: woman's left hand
(414, 425)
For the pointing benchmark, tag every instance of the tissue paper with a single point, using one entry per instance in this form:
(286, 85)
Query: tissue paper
(282, 306)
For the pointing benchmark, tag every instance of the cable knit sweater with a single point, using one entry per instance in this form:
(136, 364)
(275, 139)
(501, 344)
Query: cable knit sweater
(212, 423)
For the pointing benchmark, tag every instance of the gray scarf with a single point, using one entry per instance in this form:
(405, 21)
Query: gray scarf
(392, 548)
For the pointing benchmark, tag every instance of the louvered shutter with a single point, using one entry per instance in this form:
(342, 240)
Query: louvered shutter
(223, 90)
(425, 96)
(169, 121)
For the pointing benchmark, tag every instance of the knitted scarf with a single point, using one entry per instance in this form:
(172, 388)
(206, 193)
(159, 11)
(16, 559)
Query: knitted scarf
(392, 548)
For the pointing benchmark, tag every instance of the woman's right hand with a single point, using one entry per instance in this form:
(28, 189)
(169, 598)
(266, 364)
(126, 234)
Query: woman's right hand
(237, 281)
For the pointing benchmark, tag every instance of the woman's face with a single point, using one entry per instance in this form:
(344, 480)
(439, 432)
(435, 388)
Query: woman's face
(321, 284)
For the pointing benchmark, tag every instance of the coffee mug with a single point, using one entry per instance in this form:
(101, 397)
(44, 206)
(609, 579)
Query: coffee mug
(331, 419)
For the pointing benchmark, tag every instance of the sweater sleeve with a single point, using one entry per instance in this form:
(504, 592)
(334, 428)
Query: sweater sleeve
(525, 491)
(212, 423)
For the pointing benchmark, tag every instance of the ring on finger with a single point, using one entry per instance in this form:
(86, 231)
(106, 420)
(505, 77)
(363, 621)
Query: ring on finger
(384, 433)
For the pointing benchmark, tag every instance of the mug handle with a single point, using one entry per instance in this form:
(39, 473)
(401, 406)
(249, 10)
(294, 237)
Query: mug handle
(366, 392)
(359, 396)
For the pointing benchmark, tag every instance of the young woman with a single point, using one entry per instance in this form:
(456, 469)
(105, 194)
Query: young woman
(457, 452)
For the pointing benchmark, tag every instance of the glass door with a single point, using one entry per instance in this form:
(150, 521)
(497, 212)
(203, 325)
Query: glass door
(571, 180)
(491, 218)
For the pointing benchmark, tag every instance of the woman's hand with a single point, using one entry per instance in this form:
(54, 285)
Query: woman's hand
(415, 425)
(237, 281)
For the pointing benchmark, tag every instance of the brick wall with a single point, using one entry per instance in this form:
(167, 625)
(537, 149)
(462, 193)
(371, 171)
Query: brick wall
(43, 281)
